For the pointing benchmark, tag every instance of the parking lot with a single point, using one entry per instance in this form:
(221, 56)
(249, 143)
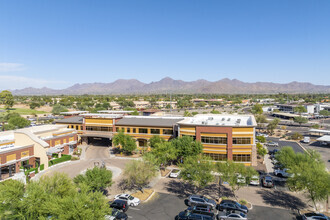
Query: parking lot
(296, 147)
(167, 206)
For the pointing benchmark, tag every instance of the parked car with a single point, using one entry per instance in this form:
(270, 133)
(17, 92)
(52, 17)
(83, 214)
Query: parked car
(200, 208)
(282, 172)
(201, 200)
(273, 152)
(261, 134)
(241, 179)
(255, 180)
(314, 216)
(232, 216)
(175, 173)
(119, 204)
(231, 205)
(272, 144)
(267, 181)
(131, 201)
(116, 215)
(307, 140)
(189, 215)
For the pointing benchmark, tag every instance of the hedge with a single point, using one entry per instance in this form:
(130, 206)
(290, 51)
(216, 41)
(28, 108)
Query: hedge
(30, 170)
(59, 160)
(42, 167)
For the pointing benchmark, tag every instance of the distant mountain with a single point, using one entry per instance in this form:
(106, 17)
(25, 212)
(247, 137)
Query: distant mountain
(133, 86)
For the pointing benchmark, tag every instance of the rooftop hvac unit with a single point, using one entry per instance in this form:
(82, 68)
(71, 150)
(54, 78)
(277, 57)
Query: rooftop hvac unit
(210, 118)
(228, 119)
(223, 119)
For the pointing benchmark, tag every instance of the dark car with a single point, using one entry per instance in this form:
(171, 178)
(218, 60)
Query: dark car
(189, 215)
(200, 209)
(267, 181)
(313, 215)
(231, 205)
(119, 204)
(118, 215)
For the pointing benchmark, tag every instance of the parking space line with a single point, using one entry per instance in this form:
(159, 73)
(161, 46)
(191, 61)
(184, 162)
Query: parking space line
(135, 209)
(129, 216)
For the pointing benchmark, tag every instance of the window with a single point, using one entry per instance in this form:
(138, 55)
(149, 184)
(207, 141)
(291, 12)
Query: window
(96, 128)
(77, 127)
(128, 130)
(143, 130)
(216, 156)
(242, 157)
(167, 131)
(213, 140)
(154, 131)
(241, 140)
(134, 130)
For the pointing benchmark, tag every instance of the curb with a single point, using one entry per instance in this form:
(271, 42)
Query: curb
(251, 206)
(149, 197)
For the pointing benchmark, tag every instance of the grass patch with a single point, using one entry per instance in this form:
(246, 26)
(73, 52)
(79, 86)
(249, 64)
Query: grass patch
(24, 111)
(143, 196)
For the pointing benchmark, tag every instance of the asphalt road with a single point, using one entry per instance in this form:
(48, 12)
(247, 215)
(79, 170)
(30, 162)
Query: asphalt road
(167, 206)
(296, 147)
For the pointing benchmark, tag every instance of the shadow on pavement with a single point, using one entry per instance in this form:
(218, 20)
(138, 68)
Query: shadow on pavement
(184, 189)
(282, 199)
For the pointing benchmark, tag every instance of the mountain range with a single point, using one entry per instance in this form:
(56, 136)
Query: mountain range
(166, 85)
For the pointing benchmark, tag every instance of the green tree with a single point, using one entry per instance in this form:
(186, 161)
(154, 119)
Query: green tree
(18, 122)
(300, 120)
(233, 172)
(138, 174)
(11, 192)
(315, 126)
(308, 173)
(324, 113)
(187, 114)
(96, 178)
(164, 152)
(197, 170)
(186, 146)
(57, 109)
(215, 111)
(127, 143)
(261, 139)
(261, 150)
(201, 104)
(272, 125)
(34, 105)
(257, 109)
(155, 140)
(300, 109)
(296, 136)
(7, 99)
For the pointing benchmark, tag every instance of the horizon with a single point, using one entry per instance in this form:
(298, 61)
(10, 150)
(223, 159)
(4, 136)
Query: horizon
(57, 44)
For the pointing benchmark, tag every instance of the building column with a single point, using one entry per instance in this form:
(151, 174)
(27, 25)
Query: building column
(32, 161)
(10, 173)
(17, 167)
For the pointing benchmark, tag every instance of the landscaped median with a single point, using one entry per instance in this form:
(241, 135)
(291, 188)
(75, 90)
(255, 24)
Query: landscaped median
(145, 195)
(63, 158)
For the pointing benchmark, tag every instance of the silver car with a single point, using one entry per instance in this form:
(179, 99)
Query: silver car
(232, 216)
(201, 200)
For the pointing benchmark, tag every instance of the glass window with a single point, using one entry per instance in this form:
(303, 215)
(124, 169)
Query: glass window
(242, 157)
(128, 130)
(143, 130)
(242, 140)
(219, 157)
(154, 131)
(134, 130)
(213, 140)
(168, 131)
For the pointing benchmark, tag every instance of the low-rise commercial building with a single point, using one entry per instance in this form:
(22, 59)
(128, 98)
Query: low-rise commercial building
(34, 146)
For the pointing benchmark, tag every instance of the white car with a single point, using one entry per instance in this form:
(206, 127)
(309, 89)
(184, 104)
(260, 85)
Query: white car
(232, 216)
(131, 201)
(175, 173)
(282, 173)
(255, 181)
(272, 144)
(240, 179)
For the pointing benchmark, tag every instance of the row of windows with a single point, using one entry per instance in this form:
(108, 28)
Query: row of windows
(216, 156)
(97, 128)
(242, 157)
(242, 140)
(213, 140)
(145, 130)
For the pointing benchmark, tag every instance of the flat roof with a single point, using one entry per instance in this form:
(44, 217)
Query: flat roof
(100, 115)
(325, 138)
(73, 112)
(71, 120)
(220, 120)
(146, 121)
(114, 112)
(286, 114)
(319, 131)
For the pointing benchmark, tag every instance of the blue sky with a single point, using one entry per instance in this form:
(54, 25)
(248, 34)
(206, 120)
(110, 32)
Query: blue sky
(60, 43)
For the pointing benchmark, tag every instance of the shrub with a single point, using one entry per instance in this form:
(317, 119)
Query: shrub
(261, 139)
(42, 167)
(75, 158)
(31, 170)
(243, 202)
(296, 136)
(59, 160)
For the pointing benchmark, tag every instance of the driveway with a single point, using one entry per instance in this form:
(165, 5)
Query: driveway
(167, 206)
(296, 147)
